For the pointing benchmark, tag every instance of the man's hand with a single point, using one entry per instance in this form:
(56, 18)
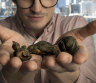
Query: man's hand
(14, 70)
(65, 68)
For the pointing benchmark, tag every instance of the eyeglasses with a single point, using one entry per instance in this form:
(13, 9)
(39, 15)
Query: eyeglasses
(25, 4)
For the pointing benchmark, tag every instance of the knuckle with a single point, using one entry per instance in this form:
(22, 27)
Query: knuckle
(15, 62)
(31, 66)
(4, 58)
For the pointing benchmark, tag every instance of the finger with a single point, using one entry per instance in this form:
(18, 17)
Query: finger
(88, 30)
(64, 58)
(29, 66)
(12, 67)
(49, 63)
(81, 33)
(81, 55)
(4, 57)
(15, 63)
(79, 58)
(33, 64)
(6, 48)
(5, 33)
(9, 35)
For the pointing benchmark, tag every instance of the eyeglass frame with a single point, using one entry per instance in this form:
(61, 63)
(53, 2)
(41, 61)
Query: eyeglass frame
(40, 3)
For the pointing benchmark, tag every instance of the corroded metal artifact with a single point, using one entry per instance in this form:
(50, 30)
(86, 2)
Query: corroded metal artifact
(43, 48)
(22, 52)
(68, 44)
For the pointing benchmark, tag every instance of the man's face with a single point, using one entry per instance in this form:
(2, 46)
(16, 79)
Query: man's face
(35, 17)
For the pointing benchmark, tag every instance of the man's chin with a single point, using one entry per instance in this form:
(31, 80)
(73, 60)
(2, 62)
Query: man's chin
(37, 26)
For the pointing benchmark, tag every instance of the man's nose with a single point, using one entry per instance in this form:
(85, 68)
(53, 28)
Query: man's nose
(36, 6)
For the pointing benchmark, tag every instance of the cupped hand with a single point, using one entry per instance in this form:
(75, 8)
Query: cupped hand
(14, 70)
(65, 67)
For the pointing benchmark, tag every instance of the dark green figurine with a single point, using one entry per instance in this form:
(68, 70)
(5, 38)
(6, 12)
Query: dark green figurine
(43, 48)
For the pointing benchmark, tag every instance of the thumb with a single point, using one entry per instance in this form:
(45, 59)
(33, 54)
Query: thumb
(6, 33)
(81, 33)
(7, 36)
(88, 30)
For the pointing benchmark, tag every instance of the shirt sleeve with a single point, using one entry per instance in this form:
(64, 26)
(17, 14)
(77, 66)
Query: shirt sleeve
(88, 69)
(4, 23)
(83, 79)
(2, 79)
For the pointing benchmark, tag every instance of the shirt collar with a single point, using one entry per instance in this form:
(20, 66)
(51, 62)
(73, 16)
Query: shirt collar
(51, 23)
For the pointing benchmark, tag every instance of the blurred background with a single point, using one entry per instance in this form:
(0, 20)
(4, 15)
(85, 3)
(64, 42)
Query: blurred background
(84, 8)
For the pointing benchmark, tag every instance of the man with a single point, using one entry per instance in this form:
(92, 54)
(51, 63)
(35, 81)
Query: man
(35, 21)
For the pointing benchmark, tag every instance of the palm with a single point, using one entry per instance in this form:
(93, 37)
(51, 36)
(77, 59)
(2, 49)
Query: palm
(65, 61)
(13, 67)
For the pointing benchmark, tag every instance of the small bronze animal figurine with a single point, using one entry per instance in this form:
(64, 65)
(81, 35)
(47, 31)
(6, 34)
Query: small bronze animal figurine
(43, 48)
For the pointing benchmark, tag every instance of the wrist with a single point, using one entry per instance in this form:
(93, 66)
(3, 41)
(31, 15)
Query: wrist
(65, 77)
(19, 77)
